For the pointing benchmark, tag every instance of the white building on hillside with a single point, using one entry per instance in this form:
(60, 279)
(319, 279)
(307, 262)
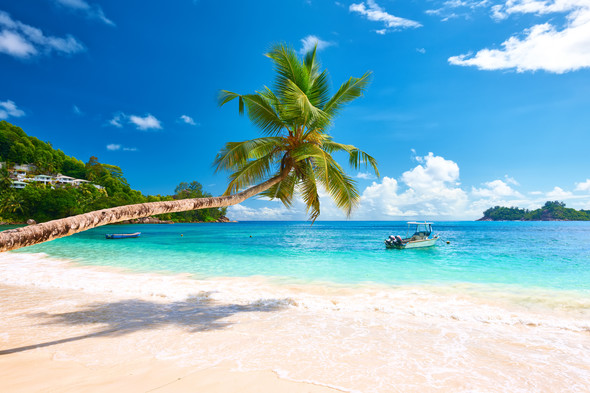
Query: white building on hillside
(21, 175)
(18, 184)
(45, 179)
(64, 179)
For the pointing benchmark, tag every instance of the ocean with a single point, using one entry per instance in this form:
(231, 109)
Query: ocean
(553, 255)
(501, 307)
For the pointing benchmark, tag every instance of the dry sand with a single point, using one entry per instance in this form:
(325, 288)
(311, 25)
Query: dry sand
(38, 357)
(40, 372)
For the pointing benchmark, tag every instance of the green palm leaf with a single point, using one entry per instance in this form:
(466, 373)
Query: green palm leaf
(284, 190)
(340, 186)
(309, 191)
(288, 68)
(349, 91)
(356, 157)
(252, 172)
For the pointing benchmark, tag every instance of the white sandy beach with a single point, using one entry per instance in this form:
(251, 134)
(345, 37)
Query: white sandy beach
(67, 328)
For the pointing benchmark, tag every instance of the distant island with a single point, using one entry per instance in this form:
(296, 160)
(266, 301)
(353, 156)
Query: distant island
(39, 183)
(551, 211)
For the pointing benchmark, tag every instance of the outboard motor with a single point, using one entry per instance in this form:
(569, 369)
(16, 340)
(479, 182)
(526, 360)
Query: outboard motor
(394, 241)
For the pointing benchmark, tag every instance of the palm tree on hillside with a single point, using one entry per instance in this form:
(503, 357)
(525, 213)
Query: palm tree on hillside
(293, 157)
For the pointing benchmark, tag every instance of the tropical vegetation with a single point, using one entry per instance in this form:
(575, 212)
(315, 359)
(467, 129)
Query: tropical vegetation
(42, 202)
(551, 211)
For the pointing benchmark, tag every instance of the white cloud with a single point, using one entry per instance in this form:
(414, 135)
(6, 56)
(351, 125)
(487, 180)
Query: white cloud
(113, 147)
(9, 109)
(147, 122)
(496, 189)
(116, 146)
(557, 193)
(23, 41)
(457, 8)
(13, 44)
(373, 12)
(310, 41)
(365, 176)
(92, 11)
(141, 123)
(430, 190)
(510, 7)
(511, 180)
(77, 110)
(244, 213)
(188, 120)
(116, 120)
(583, 186)
(421, 50)
(542, 46)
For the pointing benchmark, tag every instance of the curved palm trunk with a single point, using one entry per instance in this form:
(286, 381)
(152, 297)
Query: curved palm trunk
(39, 233)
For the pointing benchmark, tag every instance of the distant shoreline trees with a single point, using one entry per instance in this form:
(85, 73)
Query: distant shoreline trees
(551, 211)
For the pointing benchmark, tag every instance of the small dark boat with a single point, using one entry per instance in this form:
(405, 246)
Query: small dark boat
(122, 235)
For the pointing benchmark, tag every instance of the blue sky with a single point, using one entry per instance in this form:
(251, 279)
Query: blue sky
(472, 104)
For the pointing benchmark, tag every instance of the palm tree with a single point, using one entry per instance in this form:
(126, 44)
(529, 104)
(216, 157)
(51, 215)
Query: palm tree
(294, 156)
(297, 148)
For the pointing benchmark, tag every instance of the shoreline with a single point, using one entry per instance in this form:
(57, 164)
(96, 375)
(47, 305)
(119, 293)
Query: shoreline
(100, 328)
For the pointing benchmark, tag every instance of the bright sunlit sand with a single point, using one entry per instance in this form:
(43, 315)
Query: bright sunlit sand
(71, 328)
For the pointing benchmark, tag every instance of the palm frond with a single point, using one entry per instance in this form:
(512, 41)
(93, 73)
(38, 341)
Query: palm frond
(263, 146)
(236, 154)
(263, 113)
(319, 93)
(303, 151)
(309, 191)
(233, 155)
(340, 186)
(298, 106)
(289, 68)
(251, 172)
(348, 91)
(356, 157)
(226, 96)
(310, 62)
(283, 191)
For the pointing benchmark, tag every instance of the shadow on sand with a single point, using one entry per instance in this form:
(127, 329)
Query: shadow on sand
(197, 314)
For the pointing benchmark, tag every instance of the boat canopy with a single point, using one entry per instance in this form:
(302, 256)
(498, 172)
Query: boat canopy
(422, 229)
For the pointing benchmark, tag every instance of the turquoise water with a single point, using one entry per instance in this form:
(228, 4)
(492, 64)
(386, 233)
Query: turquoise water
(529, 254)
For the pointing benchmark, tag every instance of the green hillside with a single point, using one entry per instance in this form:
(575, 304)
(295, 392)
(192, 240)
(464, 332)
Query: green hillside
(44, 202)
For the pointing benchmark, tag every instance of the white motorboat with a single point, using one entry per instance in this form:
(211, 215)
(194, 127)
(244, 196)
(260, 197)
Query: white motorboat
(422, 237)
